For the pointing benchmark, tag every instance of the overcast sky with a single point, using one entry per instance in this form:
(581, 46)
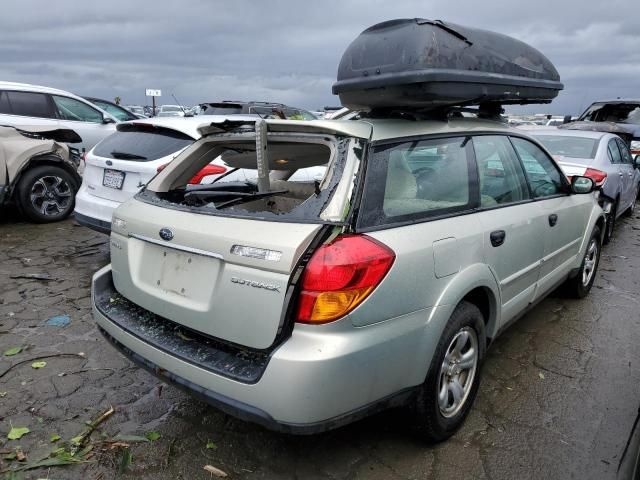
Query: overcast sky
(288, 50)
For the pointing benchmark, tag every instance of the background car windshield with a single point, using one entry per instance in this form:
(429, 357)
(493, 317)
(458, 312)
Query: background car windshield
(170, 108)
(613, 112)
(120, 113)
(575, 147)
(142, 145)
(221, 109)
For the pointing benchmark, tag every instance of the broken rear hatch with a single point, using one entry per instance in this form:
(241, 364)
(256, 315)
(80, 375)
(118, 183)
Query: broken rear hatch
(217, 258)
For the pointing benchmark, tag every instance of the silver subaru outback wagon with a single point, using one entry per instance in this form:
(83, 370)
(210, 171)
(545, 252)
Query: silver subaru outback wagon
(303, 305)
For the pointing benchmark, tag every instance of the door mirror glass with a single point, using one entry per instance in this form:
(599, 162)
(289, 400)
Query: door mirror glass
(636, 161)
(582, 184)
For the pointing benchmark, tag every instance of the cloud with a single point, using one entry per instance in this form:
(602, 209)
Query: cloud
(286, 50)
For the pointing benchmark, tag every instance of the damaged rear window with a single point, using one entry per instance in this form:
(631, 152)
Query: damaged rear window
(309, 179)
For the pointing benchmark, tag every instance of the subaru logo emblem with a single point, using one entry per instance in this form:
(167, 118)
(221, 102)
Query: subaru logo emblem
(166, 234)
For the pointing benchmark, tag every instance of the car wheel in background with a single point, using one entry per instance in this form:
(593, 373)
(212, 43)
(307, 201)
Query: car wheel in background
(610, 224)
(580, 285)
(46, 194)
(448, 392)
(632, 207)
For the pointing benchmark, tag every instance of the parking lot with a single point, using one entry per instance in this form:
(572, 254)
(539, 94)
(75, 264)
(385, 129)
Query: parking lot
(559, 396)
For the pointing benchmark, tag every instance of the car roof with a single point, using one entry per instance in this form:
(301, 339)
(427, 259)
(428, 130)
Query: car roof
(27, 87)
(563, 132)
(377, 129)
(187, 125)
(618, 100)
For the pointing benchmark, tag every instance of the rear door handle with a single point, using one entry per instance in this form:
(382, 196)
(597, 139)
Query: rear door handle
(553, 219)
(497, 237)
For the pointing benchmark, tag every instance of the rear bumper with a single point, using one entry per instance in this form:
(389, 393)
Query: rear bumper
(93, 223)
(94, 212)
(319, 379)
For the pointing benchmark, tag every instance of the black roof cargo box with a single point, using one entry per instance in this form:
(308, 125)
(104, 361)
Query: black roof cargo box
(425, 64)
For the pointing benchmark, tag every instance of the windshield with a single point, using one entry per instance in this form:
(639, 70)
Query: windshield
(231, 109)
(575, 147)
(142, 144)
(613, 112)
(118, 112)
(305, 179)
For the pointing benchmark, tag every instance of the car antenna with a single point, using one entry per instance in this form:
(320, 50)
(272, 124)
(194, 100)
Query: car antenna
(179, 104)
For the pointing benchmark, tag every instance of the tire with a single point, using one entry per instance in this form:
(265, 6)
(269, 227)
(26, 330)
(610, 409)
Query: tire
(629, 211)
(437, 418)
(610, 225)
(580, 285)
(46, 194)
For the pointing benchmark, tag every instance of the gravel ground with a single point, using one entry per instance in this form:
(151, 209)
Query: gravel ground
(560, 391)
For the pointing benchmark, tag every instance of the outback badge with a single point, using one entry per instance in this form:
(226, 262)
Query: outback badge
(166, 234)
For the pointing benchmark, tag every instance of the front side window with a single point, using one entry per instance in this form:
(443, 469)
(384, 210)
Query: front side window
(418, 180)
(75, 110)
(29, 104)
(502, 180)
(614, 152)
(543, 176)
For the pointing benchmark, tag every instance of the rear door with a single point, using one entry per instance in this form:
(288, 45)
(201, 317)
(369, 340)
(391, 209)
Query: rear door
(564, 216)
(123, 163)
(27, 108)
(511, 223)
(620, 179)
(628, 173)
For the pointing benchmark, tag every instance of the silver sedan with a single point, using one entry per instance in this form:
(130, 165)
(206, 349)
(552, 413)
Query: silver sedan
(605, 158)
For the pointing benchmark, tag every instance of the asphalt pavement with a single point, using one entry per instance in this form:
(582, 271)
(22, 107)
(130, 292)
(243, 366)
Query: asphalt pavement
(559, 395)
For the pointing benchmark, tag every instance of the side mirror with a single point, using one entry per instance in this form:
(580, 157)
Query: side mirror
(582, 184)
(636, 161)
(106, 120)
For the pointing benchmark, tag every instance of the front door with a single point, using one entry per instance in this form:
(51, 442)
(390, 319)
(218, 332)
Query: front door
(563, 215)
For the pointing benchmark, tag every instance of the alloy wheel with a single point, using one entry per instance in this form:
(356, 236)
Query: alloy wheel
(590, 259)
(51, 195)
(458, 371)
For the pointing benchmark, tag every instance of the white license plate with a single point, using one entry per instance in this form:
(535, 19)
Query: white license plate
(113, 179)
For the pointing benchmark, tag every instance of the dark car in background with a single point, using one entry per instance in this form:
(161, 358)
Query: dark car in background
(263, 109)
(624, 112)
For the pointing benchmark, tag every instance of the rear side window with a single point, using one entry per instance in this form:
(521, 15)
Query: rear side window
(502, 180)
(625, 154)
(28, 104)
(418, 180)
(614, 152)
(140, 145)
(543, 176)
(75, 110)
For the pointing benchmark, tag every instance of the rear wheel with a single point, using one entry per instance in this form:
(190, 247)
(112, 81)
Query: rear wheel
(580, 285)
(450, 388)
(632, 207)
(611, 224)
(46, 194)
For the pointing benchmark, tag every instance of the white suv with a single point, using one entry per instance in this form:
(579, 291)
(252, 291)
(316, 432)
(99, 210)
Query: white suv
(23, 104)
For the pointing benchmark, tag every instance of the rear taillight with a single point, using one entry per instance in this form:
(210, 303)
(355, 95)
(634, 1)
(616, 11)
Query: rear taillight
(206, 171)
(598, 176)
(340, 275)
